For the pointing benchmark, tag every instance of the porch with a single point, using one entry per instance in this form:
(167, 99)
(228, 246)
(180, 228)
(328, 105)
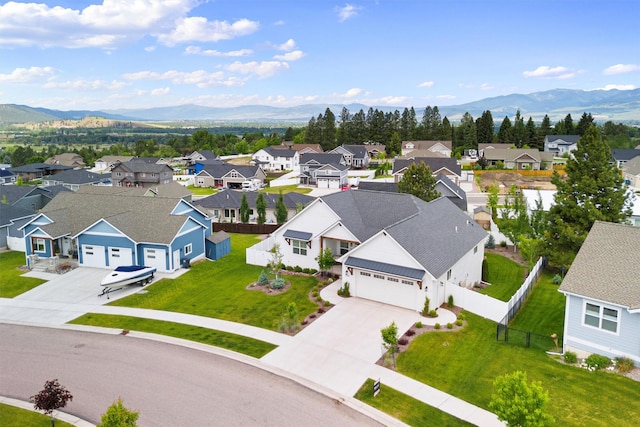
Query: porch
(57, 265)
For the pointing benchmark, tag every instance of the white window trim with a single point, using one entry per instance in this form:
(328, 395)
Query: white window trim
(39, 243)
(299, 247)
(188, 249)
(601, 307)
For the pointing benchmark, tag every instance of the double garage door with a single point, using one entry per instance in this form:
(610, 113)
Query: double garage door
(101, 257)
(392, 290)
(328, 183)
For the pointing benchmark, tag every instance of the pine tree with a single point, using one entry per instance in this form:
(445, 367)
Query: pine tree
(281, 210)
(592, 190)
(261, 208)
(419, 181)
(244, 209)
(505, 134)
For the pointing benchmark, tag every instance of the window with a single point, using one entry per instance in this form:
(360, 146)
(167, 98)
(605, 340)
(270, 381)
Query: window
(38, 245)
(601, 317)
(188, 249)
(392, 279)
(299, 247)
(378, 276)
(449, 275)
(475, 250)
(364, 273)
(346, 247)
(407, 282)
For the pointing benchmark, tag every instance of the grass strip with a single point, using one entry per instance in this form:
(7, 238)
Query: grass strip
(505, 276)
(12, 283)
(14, 416)
(238, 343)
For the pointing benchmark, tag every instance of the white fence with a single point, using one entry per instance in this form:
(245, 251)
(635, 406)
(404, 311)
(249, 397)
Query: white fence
(260, 253)
(16, 244)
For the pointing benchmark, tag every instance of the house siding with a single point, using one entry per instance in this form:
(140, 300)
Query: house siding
(585, 340)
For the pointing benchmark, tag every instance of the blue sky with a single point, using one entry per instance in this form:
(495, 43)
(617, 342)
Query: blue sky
(109, 54)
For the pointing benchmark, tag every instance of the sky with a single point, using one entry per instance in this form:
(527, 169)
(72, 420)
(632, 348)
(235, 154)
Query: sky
(115, 54)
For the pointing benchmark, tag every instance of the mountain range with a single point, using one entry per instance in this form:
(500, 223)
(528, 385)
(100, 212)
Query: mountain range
(614, 105)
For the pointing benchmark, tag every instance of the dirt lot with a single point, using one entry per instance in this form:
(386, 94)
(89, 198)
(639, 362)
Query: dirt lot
(507, 179)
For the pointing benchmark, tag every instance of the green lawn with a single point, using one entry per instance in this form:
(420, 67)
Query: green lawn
(465, 363)
(238, 343)
(505, 276)
(13, 416)
(286, 189)
(201, 191)
(405, 408)
(218, 289)
(11, 282)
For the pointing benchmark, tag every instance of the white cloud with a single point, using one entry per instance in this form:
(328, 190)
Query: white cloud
(195, 50)
(160, 91)
(287, 46)
(347, 11)
(261, 69)
(200, 29)
(200, 78)
(27, 75)
(446, 97)
(351, 93)
(426, 84)
(290, 56)
(619, 87)
(550, 72)
(486, 86)
(621, 68)
(393, 100)
(86, 85)
(150, 48)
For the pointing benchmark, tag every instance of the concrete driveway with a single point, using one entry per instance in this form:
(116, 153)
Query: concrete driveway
(63, 297)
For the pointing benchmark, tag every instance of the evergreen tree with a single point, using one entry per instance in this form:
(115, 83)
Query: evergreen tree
(530, 134)
(118, 415)
(359, 127)
(518, 130)
(585, 121)
(261, 208)
(505, 134)
(343, 134)
(328, 141)
(446, 132)
(569, 127)
(592, 190)
(485, 127)
(419, 181)
(244, 209)
(281, 210)
(395, 145)
(468, 135)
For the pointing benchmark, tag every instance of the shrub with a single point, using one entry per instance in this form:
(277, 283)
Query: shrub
(263, 279)
(450, 301)
(459, 322)
(306, 270)
(557, 279)
(327, 304)
(288, 268)
(624, 364)
(503, 243)
(344, 290)
(425, 310)
(312, 271)
(491, 242)
(403, 341)
(461, 316)
(449, 325)
(419, 324)
(321, 310)
(319, 298)
(410, 333)
(433, 313)
(314, 294)
(297, 269)
(596, 361)
(437, 326)
(485, 269)
(312, 316)
(278, 283)
(570, 357)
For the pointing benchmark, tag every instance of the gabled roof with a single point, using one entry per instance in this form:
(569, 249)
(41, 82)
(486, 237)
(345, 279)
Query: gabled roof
(9, 213)
(141, 166)
(492, 146)
(218, 170)
(67, 159)
(232, 199)
(421, 154)
(632, 166)
(113, 159)
(458, 195)
(624, 154)
(172, 190)
(607, 267)
(426, 145)
(435, 164)
(378, 185)
(78, 176)
(38, 167)
(6, 173)
(299, 147)
(13, 193)
(563, 139)
(512, 154)
(358, 151)
(322, 158)
(279, 152)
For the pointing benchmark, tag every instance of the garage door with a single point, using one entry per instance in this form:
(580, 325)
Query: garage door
(120, 256)
(334, 183)
(93, 256)
(155, 258)
(323, 183)
(387, 289)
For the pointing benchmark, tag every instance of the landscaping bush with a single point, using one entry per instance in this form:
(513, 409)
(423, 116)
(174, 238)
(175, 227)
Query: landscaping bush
(570, 357)
(278, 283)
(263, 279)
(410, 333)
(288, 267)
(450, 301)
(312, 271)
(306, 270)
(314, 294)
(503, 244)
(425, 310)
(312, 316)
(344, 290)
(624, 364)
(321, 310)
(461, 316)
(557, 279)
(297, 269)
(449, 325)
(433, 313)
(403, 341)
(327, 304)
(491, 242)
(597, 361)
(419, 324)
(459, 322)
(485, 269)
(437, 326)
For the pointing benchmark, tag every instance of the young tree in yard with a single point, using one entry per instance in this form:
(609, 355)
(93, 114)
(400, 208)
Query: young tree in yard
(519, 403)
(118, 415)
(592, 190)
(419, 181)
(275, 264)
(281, 210)
(390, 339)
(244, 209)
(325, 260)
(514, 219)
(492, 200)
(261, 208)
(53, 397)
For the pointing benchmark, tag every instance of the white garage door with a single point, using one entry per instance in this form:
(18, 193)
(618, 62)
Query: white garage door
(323, 183)
(334, 183)
(120, 256)
(387, 289)
(93, 256)
(155, 258)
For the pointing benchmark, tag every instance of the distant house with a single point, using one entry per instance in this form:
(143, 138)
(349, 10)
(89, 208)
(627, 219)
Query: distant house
(356, 156)
(139, 173)
(200, 156)
(421, 154)
(226, 175)
(105, 163)
(482, 216)
(110, 226)
(12, 218)
(29, 197)
(300, 148)
(7, 177)
(442, 147)
(276, 159)
(325, 170)
(518, 158)
(446, 166)
(75, 178)
(37, 170)
(602, 312)
(374, 149)
(620, 156)
(224, 206)
(67, 159)
(631, 173)
(560, 144)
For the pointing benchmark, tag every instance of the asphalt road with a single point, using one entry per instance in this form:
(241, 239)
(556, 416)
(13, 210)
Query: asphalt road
(169, 385)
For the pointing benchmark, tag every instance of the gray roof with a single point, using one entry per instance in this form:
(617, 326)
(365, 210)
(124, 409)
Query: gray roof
(607, 267)
(144, 219)
(280, 152)
(218, 170)
(322, 158)
(624, 153)
(378, 185)
(218, 237)
(13, 193)
(9, 213)
(359, 151)
(298, 235)
(450, 190)
(139, 165)
(383, 267)
(232, 199)
(78, 176)
(434, 163)
(632, 166)
(568, 139)
(420, 227)
(38, 167)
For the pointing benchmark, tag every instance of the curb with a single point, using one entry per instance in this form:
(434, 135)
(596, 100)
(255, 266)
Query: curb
(58, 415)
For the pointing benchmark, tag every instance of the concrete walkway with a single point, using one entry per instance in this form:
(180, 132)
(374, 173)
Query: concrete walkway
(337, 351)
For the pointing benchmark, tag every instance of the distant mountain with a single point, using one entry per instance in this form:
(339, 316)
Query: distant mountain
(614, 105)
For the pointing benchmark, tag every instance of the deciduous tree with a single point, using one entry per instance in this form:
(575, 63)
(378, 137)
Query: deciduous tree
(52, 397)
(520, 403)
(118, 415)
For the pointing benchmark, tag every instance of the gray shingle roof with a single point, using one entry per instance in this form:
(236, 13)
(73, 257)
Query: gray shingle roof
(624, 153)
(232, 199)
(299, 235)
(434, 163)
(569, 139)
(322, 158)
(9, 213)
(607, 267)
(78, 176)
(383, 267)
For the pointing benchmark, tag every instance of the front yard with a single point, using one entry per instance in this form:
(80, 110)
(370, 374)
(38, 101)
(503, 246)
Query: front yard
(11, 282)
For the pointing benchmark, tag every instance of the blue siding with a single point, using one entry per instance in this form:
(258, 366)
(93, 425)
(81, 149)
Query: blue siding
(218, 250)
(183, 208)
(627, 341)
(195, 237)
(139, 259)
(102, 227)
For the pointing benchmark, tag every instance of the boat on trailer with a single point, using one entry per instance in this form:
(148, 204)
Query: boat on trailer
(126, 275)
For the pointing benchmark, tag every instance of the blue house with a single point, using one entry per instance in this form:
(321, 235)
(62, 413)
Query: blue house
(107, 227)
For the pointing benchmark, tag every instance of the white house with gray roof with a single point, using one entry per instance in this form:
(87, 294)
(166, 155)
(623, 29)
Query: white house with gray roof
(276, 159)
(602, 289)
(392, 247)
